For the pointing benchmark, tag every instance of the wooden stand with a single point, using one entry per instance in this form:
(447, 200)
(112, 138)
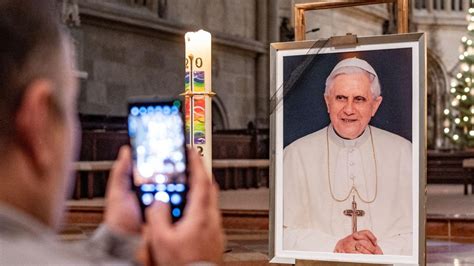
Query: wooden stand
(329, 263)
(299, 9)
(347, 40)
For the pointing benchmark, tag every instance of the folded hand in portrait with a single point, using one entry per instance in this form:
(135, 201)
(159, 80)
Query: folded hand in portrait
(361, 242)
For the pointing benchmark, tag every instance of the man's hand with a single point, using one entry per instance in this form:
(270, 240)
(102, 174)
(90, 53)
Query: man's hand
(122, 212)
(361, 242)
(198, 235)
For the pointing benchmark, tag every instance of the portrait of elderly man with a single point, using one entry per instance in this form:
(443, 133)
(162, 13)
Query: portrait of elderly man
(348, 186)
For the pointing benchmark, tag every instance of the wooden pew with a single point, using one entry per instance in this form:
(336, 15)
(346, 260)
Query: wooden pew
(257, 166)
(89, 167)
(447, 168)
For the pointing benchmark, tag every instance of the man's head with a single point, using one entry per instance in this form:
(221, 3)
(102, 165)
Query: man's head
(37, 108)
(352, 96)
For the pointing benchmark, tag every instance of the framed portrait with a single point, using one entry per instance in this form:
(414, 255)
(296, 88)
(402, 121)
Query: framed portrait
(348, 150)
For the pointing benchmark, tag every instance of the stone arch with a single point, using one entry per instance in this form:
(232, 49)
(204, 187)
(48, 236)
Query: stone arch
(220, 120)
(437, 98)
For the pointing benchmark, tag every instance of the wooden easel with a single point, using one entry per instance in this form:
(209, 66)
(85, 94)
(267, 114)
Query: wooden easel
(349, 39)
(299, 9)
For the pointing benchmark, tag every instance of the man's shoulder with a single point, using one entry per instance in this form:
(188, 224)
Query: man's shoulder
(25, 251)
(308, 141)
(389, 137)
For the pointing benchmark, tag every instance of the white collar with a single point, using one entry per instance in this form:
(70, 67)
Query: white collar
(348, 143)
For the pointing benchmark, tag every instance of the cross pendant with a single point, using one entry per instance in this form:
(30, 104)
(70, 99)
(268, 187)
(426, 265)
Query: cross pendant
(354, 212)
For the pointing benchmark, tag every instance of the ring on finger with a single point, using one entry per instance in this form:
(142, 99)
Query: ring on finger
(357, 247)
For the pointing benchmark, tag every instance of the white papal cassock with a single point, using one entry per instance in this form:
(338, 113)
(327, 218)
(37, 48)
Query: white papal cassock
(314, 221)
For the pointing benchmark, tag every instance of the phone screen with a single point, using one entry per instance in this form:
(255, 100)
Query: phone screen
(156, 132)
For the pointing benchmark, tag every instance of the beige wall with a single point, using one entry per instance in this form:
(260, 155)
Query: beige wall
(129, 50)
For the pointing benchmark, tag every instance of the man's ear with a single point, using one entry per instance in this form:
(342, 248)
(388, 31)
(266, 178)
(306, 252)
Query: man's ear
(33, 123)
(326, 99)
(376, 104)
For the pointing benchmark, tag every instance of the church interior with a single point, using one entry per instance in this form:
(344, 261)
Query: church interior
(130, 48)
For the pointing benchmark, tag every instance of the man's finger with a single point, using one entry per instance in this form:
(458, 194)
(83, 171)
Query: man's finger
(214, 197)
(362, 250)
(147, 236)
(378, 251)
(195, 164)
(142, 254)
(216, 214)
(199, 197)
(369, 234)
(365, 234)
(120, 173)
(367, 245)
(159, 220)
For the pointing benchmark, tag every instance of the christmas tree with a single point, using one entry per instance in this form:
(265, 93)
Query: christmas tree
(459, 122)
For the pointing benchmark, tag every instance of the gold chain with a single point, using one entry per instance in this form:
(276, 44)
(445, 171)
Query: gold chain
(353, 189)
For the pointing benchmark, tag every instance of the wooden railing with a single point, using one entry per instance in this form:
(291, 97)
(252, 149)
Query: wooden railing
(91, 168)
(229, 173)
(241, 173)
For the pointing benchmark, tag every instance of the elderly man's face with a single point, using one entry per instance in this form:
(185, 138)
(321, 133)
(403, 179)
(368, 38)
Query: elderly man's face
(350, 104)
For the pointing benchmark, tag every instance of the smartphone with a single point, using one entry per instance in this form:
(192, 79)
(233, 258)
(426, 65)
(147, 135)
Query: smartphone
(156, 132)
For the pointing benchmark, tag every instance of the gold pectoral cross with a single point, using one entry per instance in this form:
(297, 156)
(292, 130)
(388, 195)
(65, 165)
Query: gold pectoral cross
(354, 212)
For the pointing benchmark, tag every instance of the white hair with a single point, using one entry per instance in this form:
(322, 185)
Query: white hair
(374, 81)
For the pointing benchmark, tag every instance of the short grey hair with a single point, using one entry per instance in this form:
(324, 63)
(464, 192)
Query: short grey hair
(374, 81)
(32, 47)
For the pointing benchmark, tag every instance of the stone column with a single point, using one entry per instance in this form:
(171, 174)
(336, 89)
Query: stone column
(457, 6)
(262, 75)
(429, 5)
(465, 5)
(447, 5)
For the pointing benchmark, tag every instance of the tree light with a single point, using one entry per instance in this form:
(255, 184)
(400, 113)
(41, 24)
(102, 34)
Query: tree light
(455, 137)
(471, 133)
(467, 80)
(459, 75)
(464, 39)
(455, 102)
(446, 130)
(469, 42)
(457, 120)
(466, 89)
(461, 57)
(465, 119)
(446, 111)
(464, 97)
(465, 67)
